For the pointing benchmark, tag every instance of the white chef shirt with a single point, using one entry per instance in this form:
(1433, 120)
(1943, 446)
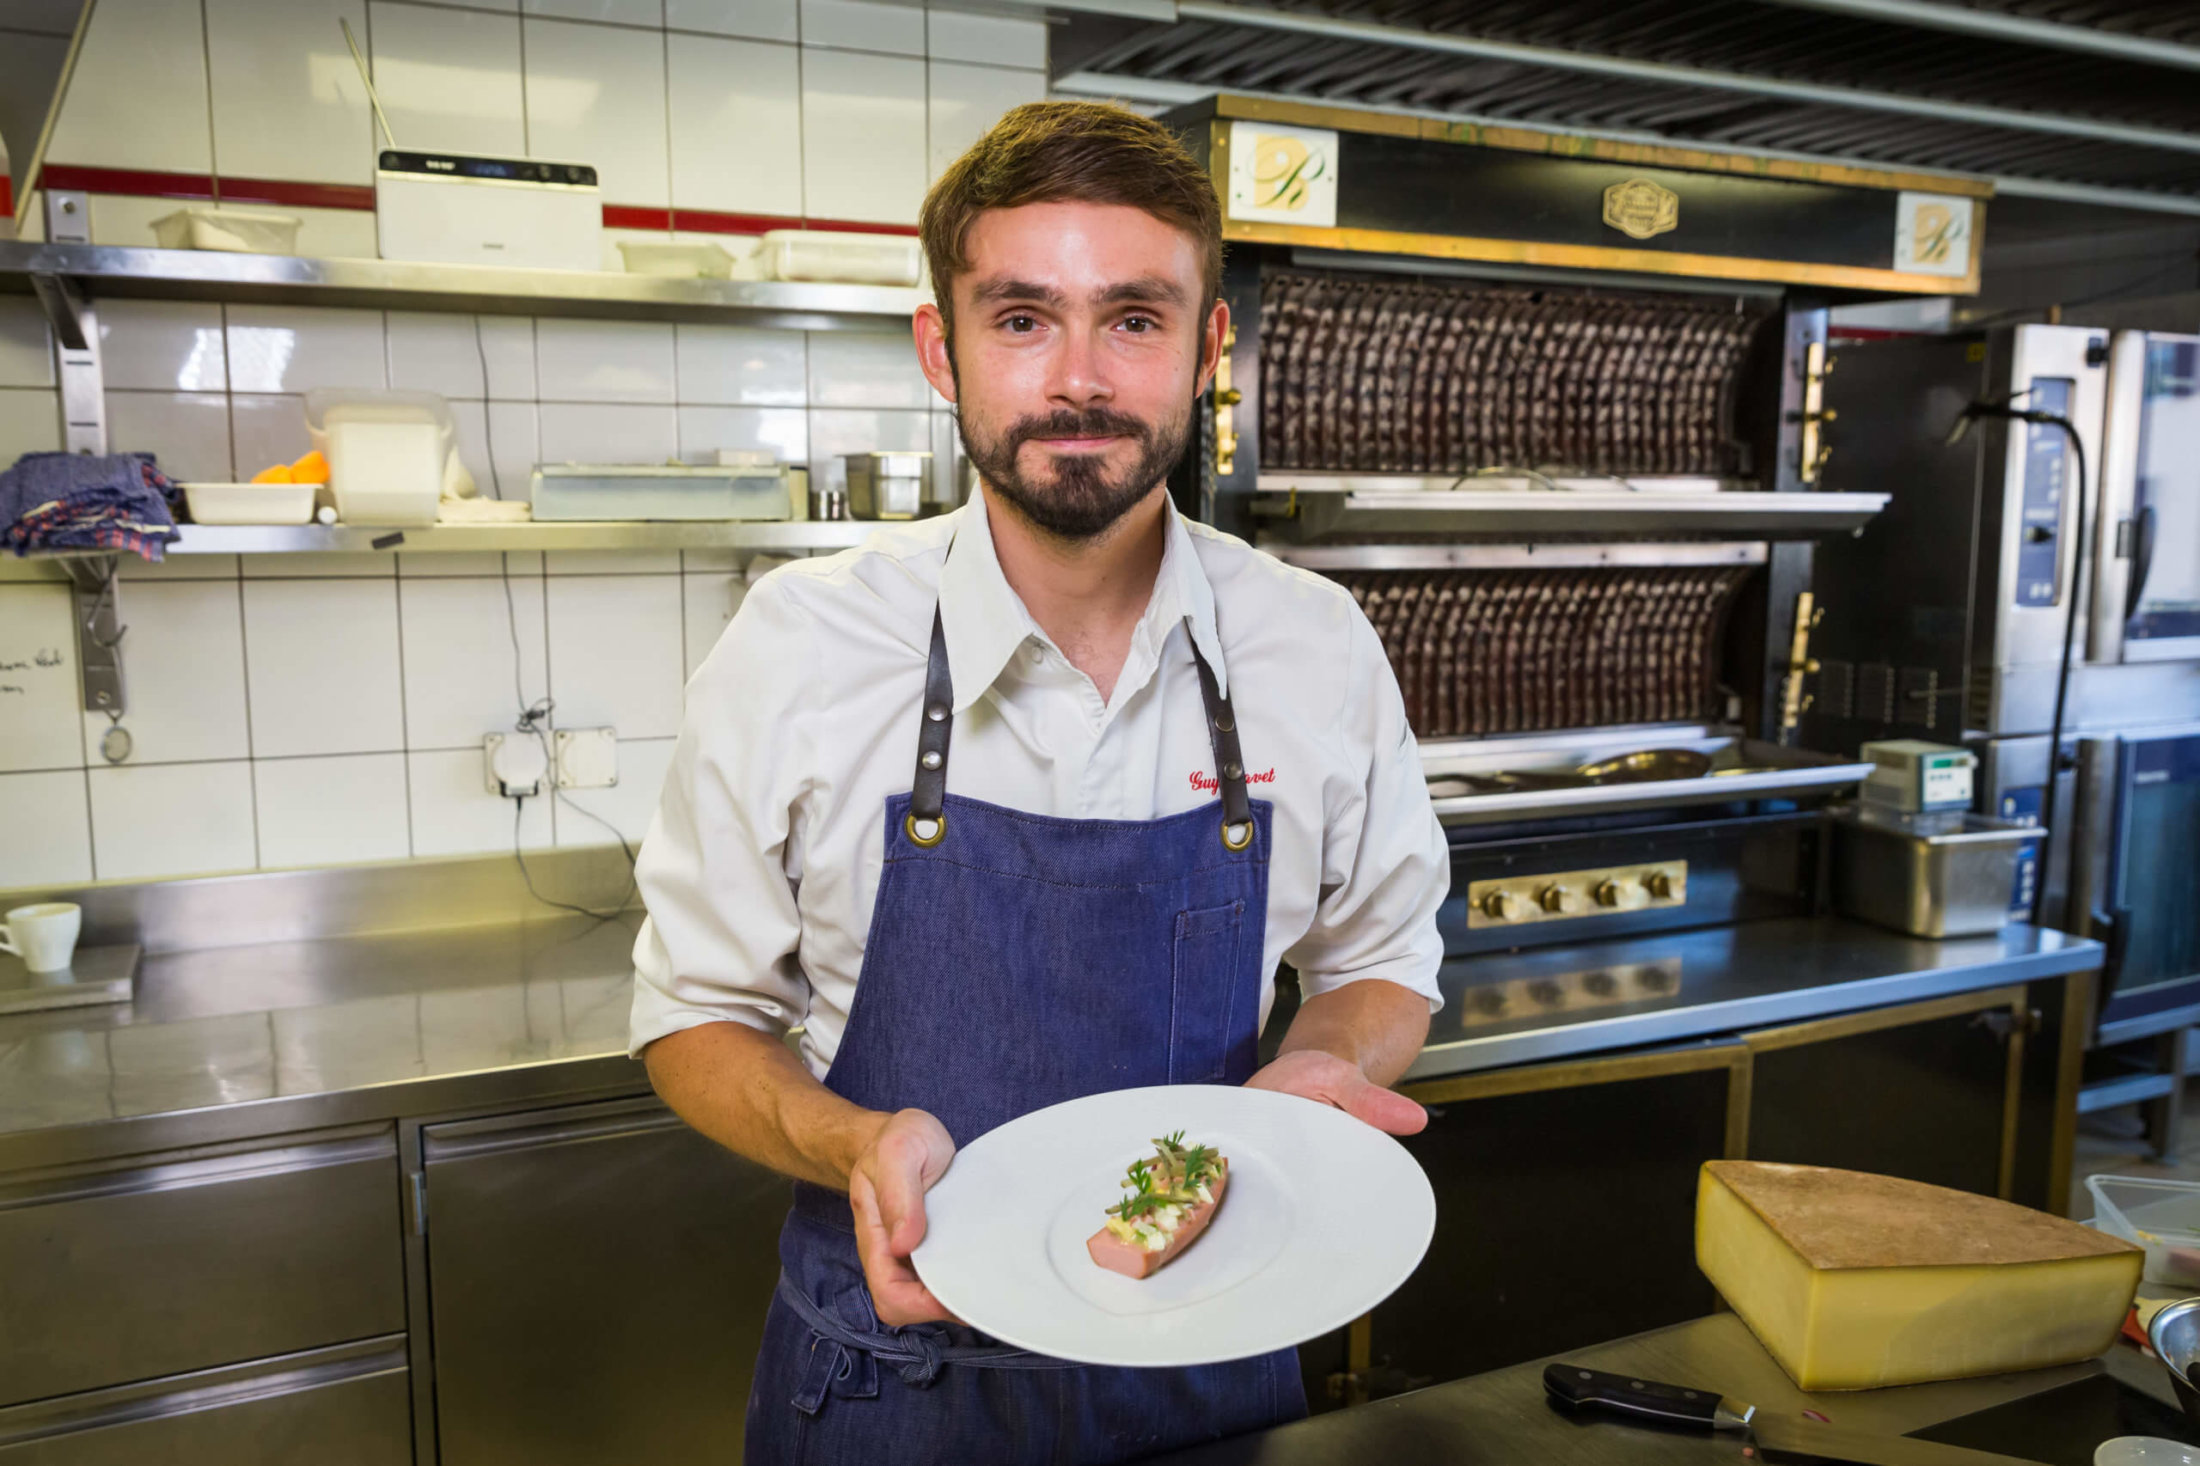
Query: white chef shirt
(761, 864)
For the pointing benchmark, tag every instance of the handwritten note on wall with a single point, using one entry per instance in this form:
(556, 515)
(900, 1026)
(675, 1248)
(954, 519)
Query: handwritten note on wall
(41, 721)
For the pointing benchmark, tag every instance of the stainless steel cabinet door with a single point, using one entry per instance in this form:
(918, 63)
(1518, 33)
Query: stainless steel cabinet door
(597, 1277)
(130, 1270)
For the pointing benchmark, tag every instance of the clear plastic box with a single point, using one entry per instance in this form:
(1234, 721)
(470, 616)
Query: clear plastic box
(2161, 1216)
(242, 231)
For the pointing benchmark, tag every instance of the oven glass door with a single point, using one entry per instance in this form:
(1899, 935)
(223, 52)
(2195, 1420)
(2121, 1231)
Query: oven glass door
(2154, 880)
(2162, 605)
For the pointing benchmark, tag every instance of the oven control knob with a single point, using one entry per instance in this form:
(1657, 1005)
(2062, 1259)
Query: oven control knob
(1559, 900)
(1501, 905)
(1621, 894)
(1662, 885)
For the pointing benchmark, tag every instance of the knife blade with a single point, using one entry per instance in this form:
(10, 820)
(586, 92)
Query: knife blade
(1782, 1436)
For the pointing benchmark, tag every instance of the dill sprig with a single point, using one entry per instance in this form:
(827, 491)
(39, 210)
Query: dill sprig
(1171, 1176)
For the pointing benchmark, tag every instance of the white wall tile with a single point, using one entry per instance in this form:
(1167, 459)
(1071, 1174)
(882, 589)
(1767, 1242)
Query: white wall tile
(26, 351)
(267, 429)
(863, 369)
(606, 432)
(163, 345)
(322, 663)
(611, 562)
(320, 565)
(321, 811)
(992, 40)
(121, 218)
(179, 567)
(287, 348)
(335, 234)
(30, 422)
(171, 820)
(604, 361)
(184, 664)
(764, 20)
(596, 94)
(863, 25)
(453, 812)
(440, 564)
(450, 79)
(288, 99)
(509, 428)
(838, 431)
(736, 126)
(863, 122)
(967, 100)
(137, 49)
(49, 827)
(15, 571)
(39, 694)
(626, 806)
(784, 432)
(459, 657)
(614, 12)
(742, 366)
(437, 351)
(615, 653)
(707, 603)
(187, 431)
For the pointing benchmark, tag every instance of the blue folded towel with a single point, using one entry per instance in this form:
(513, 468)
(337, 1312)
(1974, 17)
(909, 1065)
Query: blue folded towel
(70, 501)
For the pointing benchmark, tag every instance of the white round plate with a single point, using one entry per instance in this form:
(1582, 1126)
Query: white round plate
(1323, 1219)
(2144, 1450)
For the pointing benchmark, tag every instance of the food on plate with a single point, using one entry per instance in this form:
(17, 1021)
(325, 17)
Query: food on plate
(1854, 1281)
(1168, 1199)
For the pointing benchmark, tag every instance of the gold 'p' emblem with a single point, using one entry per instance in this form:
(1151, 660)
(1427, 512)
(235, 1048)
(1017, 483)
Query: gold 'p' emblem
(1641, 209)
(1283, 171)
(1933, 236)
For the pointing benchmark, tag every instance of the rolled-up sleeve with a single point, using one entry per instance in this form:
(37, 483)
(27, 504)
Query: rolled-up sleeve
(1385, 865)
(719, 866)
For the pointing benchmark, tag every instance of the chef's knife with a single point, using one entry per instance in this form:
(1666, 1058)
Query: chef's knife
(1589, 1389)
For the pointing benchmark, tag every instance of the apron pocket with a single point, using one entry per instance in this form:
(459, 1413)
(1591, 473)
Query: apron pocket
(1205, 971)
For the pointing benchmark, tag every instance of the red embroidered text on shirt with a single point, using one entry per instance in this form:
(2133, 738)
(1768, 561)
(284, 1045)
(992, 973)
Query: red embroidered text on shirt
(1209, 784)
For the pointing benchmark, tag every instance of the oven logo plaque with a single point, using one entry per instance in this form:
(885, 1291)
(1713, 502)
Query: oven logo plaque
(1283, 175)
(1932, 234)
(1641, 209)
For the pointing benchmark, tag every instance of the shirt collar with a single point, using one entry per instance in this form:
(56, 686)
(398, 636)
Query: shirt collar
(985, 620)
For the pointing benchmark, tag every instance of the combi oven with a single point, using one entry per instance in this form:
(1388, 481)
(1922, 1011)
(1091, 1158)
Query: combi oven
(2146, 602)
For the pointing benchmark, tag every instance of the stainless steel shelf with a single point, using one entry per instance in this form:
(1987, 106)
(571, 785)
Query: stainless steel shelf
(1305, 507)
(281, 539)
(175, 274)
(1546, 556)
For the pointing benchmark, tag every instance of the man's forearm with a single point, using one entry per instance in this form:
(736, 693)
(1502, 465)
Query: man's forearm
(746, 1090)
(1374, 1024)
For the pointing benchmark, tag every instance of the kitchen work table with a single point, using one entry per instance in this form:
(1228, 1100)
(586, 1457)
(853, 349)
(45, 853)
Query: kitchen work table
(364, 1161)
(2054, 1416)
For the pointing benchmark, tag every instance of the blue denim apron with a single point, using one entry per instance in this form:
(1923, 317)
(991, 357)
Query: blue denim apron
(1016, 961)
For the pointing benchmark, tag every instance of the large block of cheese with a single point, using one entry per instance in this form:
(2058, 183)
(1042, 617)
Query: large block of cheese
(1854, 1281)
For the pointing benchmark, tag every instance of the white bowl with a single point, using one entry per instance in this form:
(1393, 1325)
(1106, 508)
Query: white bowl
(2144, 1450)
(251, 503)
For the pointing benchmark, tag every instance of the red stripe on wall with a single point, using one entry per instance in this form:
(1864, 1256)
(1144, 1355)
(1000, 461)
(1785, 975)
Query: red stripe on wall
(76, 178)
(857, 226)
(298, 195)
(709, 221)
(636, 216)
(7, 195)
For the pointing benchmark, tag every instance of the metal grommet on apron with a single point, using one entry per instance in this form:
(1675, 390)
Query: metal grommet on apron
(1030, 960)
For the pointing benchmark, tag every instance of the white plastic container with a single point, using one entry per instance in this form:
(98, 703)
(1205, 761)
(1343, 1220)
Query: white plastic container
(390, 455)
(680, 261)
(251, 503)
(2161, 1216)
(850, 259)
(241, 231)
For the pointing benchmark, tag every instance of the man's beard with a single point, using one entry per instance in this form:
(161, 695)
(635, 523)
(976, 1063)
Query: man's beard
(1082, 501)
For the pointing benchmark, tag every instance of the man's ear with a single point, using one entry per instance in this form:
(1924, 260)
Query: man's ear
(1216, 330)
(933, 351)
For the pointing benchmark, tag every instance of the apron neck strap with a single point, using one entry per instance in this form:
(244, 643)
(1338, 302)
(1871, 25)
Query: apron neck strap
(926, 824)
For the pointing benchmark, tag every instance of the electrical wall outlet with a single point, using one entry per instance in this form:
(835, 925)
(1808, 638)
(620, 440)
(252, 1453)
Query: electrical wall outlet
(588, 758)
(514, 764)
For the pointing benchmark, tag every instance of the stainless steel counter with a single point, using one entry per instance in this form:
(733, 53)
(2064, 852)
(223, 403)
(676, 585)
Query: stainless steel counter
(1554, 1002)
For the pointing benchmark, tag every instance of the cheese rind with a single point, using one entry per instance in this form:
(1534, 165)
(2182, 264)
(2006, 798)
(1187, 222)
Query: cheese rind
(1932, 1311)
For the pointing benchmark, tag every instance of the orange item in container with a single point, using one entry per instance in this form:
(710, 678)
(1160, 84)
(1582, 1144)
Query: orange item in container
(279, 474)
(311, 469)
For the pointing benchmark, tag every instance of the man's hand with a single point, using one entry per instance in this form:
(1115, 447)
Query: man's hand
(1315, 1075)
(886, 1190)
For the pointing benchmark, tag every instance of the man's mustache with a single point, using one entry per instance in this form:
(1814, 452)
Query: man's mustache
(1093, 422)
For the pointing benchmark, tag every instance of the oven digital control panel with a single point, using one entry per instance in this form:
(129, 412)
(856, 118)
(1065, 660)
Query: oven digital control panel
(1562, 895)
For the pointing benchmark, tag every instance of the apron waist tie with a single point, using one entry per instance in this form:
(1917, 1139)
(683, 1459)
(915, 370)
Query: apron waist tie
(916, 1356)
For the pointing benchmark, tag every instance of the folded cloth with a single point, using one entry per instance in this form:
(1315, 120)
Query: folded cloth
(71, 501)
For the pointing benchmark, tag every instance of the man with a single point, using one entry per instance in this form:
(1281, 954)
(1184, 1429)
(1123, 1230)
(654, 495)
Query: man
(1086, 896)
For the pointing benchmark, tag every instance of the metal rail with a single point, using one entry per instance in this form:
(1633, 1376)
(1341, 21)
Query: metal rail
(1665, 73)
(1998, 25)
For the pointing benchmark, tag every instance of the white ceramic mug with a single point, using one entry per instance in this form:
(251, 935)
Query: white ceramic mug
(44, 936)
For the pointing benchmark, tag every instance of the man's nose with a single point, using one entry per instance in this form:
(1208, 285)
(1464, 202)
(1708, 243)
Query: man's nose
(1080, 375)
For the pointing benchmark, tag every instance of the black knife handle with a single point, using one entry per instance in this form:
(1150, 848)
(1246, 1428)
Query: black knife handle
(1592, 1389)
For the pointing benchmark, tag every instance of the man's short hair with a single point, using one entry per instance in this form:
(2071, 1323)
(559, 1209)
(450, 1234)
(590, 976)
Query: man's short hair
(1070, 152)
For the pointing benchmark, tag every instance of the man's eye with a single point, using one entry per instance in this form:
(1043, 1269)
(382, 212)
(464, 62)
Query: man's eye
(1139, 325)
(1022, 325)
